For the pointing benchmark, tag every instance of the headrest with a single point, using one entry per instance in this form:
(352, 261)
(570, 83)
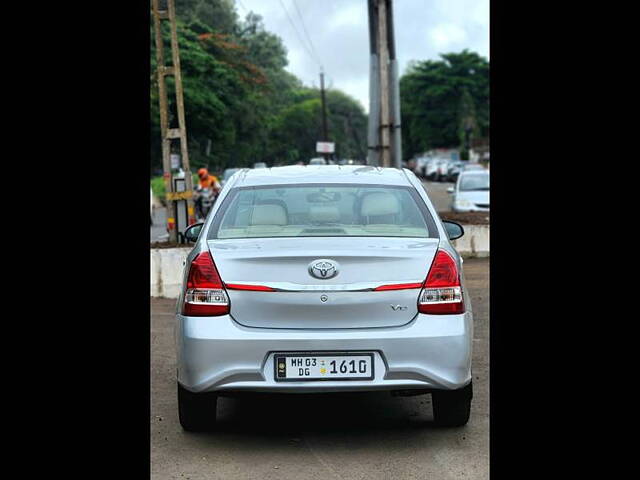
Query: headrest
(324, 213)
(379, 203)
(268, 214)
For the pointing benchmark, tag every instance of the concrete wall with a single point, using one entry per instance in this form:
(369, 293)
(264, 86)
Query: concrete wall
(167, 264)
(474, 242)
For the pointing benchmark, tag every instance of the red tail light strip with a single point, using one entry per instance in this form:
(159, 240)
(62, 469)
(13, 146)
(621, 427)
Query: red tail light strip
(295, 287)
(398, 286)
(253, 288)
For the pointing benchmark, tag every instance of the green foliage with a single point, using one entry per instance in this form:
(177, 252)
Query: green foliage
(239, 99)
(217, 15)
(299, 127)
(157, 186)
(439, 98)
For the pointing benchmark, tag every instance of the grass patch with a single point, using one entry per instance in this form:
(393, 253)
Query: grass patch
(157, 186)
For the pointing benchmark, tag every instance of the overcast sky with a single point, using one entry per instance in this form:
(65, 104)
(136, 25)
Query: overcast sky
(339, 32)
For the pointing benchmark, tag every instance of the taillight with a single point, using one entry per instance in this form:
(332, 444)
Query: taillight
(205, 295)
(442, 291)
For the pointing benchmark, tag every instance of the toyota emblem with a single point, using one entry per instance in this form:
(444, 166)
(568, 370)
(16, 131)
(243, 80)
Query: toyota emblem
(323, 269)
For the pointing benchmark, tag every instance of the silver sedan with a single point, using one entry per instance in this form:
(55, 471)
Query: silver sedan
(471, 192)
(323, 279)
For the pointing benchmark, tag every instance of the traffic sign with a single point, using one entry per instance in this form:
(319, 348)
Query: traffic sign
(325, 147)
(179, 195)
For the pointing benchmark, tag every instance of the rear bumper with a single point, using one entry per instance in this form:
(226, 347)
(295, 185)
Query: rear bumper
(218, 354)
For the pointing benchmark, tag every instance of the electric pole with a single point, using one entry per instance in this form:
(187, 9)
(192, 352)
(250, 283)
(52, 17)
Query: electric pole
(169, 134)
(384, 138)
(325, 134)
(383, 55)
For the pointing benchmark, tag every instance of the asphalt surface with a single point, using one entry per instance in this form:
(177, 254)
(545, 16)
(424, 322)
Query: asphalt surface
(437, 193)
(345, 436)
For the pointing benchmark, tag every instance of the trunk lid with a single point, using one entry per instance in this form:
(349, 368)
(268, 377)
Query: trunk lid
(305, 302)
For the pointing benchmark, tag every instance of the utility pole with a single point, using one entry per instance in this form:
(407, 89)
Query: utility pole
(385, 141)
(396, 133)
(383, 55)
(373, 134)
(325, 134)
(169, 134)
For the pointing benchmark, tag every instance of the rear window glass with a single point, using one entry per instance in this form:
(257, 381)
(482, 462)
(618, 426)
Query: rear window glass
(323, 210)
(474, 181)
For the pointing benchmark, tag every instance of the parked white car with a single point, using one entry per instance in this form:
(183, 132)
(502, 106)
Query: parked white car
(443, 169)
(471, 193)
(317, 161)
(419, 165)
(431, 168)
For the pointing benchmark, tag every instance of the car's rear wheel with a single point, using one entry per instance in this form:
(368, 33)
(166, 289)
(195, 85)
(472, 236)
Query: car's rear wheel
(197, 411)
(451, 408)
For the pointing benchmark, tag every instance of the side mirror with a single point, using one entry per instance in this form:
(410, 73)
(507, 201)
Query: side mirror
(192, 233)
(454, 230)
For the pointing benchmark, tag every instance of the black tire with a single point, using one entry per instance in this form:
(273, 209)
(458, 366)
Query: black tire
(196, 411)
(451, 408)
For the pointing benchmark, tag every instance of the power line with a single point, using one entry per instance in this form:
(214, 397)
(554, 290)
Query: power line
(298, 33)
(304, 27)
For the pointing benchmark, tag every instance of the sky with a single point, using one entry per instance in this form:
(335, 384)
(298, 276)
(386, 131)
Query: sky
(339, 33)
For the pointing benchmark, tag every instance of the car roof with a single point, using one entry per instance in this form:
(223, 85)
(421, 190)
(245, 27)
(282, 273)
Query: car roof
(475, 171)
(296, 174)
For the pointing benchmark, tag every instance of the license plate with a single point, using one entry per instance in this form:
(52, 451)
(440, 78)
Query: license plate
(323, 366)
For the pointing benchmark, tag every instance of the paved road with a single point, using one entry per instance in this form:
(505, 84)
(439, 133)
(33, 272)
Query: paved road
(352, 436)
(437, 192)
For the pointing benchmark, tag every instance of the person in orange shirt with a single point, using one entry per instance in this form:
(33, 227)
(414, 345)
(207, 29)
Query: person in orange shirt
(202, 199)
(208, 181)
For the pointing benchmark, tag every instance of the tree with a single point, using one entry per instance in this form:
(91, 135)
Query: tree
(219, 15)
(435, 96)
(467, 123)
(240, 100)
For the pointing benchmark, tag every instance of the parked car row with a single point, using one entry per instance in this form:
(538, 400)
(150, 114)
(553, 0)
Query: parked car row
(330, 161)
(438, 169)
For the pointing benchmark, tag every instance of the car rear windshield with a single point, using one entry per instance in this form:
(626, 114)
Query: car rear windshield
(323, 210)
(474, 181)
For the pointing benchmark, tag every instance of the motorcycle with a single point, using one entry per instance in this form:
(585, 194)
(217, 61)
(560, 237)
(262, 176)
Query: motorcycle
(204, 200)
